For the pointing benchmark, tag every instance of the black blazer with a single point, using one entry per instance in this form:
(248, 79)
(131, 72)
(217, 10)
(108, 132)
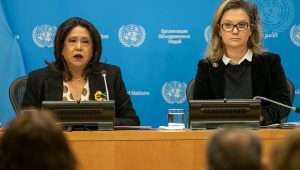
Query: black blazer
(46, 84)
(268, 80)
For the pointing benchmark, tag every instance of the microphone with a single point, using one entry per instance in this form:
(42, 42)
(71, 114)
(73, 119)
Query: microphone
(103, 73)
(292, 108)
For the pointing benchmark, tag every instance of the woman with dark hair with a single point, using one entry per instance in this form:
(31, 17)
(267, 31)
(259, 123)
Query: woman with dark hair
(237, 67)
(76, 74)
(34, 141)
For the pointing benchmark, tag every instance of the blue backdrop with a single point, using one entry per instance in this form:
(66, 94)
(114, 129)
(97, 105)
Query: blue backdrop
(156, 44)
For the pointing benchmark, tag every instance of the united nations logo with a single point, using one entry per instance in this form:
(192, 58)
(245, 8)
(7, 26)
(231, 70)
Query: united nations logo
(173, 92)
(132, 35)
(207, 34)
(295, 34)
(277, 15)
(43, 35)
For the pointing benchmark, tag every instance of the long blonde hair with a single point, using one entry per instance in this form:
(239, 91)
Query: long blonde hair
(216, 49)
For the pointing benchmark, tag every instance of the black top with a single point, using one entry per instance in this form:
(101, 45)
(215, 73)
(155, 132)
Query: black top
(46, 84)
(238, 81)
(267, 77)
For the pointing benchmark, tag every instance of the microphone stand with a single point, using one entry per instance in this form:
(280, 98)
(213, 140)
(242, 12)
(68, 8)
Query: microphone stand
(294, 109)
(281, 125)
(103, 73)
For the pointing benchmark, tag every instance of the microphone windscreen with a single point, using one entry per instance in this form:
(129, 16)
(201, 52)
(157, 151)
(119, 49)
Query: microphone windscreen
(103, 72)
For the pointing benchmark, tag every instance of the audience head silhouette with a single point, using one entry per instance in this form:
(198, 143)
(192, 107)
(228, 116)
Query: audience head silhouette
(33, 141)
(287, 154)
(234, 149)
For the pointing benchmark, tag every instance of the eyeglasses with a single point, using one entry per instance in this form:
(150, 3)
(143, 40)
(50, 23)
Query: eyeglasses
(228, 27)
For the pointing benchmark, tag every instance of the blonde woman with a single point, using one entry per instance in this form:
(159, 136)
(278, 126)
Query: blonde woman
(237, 67)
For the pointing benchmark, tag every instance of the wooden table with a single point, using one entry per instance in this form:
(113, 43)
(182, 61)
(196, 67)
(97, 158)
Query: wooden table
(151, 149)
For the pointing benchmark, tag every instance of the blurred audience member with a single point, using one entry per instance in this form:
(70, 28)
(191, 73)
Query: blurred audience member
(234, 149)
(286, 156)
(33, 141)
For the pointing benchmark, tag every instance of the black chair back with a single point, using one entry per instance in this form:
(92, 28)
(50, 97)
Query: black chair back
(190, 90)
(16, 92)
(291, 89)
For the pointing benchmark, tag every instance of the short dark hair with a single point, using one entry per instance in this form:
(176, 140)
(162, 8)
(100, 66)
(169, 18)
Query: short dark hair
(234, 149)
(34, 141)
(62, 32)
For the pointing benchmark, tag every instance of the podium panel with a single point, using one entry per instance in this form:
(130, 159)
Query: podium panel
(151, 150)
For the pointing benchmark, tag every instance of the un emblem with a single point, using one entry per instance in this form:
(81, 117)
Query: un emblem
(295, 34)
(173, 92)
(277, 15)
(43, 35)
(207, 33)
(132, 35)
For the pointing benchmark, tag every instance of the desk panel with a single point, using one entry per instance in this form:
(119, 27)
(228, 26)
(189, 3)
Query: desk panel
(151, 149)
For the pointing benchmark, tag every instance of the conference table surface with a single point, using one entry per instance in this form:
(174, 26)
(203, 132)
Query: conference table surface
(152, 149)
